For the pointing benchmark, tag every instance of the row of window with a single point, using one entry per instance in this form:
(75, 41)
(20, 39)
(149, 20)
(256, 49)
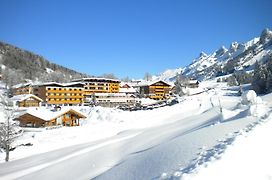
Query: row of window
(114, 89)
(64, 94)
(22, 90)
(70, 89)
(94, 88)
(66, 99)
(96, 84)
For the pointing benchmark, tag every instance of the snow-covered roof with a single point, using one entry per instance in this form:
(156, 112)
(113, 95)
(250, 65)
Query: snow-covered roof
(47, 115)
(59, 84)
(149, 83)
(96, 79)
(193, 82)
(111, 94)
(127, 90)
(46, 84)
(23, 97)
(124, 83)
(22, 85)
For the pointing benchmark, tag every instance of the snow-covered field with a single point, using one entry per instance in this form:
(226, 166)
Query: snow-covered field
(211, 135)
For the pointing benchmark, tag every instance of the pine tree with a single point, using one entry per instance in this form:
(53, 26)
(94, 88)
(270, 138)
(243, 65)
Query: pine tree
(269, 77)
(257, 81)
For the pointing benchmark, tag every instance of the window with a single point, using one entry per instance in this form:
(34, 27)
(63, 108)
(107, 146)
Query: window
(55, 88)
(49, 88)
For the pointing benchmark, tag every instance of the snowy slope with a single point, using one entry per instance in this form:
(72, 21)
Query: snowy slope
(249, 157)
(114, 144)
(244, 54)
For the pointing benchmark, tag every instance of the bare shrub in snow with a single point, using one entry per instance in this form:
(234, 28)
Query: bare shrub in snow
(8, 128)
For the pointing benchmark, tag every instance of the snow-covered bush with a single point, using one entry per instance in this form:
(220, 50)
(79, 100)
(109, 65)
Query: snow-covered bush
(256, 106)
(249, 97)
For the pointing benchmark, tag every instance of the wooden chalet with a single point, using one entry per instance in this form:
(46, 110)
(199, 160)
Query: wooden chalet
(193, 84)
(23, 88)
(35, 117)
(157, 90)
(127, 89)
(26, 100)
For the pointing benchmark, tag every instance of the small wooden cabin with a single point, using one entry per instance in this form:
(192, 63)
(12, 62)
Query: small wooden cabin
(193, 84)
(26, 100)
(45, 118)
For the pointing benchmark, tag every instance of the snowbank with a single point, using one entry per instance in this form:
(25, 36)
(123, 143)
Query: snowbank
(256, 106)
(249, 157)
(249, 97)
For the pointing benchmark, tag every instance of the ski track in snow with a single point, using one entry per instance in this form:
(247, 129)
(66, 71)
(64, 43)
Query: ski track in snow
(165, 143)
(78, 153)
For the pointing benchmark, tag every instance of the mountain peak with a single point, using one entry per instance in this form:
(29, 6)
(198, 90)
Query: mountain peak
(266, 36)
(234, 46)
(202, 54)
(221, 51)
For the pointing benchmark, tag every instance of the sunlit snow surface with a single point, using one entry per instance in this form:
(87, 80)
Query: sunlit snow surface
(185, 141)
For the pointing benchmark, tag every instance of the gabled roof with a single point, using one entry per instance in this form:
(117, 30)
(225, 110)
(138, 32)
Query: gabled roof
(23, 97)
(125, 84)
(149, 83)
(193, 82)
(22, 85)
(127, 90)
(48, 115)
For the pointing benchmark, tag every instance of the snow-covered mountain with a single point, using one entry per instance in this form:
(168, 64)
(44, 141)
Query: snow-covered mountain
(240, 55)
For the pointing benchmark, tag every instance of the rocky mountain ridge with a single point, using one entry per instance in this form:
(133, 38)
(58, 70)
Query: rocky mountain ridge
(239, 56)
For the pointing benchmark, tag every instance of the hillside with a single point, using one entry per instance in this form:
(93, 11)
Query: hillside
(239, 56)
(20, 65)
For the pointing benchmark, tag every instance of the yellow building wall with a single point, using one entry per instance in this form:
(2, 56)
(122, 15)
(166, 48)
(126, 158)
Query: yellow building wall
(64, 95)
(159, 92)
(101, 87)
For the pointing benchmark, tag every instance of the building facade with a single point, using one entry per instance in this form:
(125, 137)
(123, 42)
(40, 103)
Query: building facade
(157, 90)
(20, 89)
(60, 93)
(26, 100)
(45, 118)
(98, 85)
(114, 99)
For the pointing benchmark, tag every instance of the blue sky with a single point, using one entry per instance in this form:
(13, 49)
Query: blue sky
(129, 37)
